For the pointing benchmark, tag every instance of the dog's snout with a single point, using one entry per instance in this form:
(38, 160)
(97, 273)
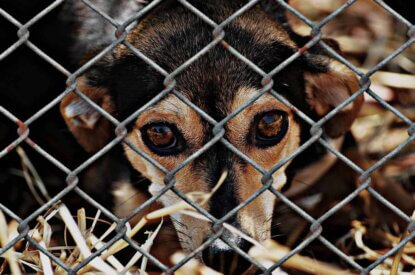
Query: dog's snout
(223, 258)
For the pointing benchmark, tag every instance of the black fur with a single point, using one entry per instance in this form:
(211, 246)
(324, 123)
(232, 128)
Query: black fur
(208, 82)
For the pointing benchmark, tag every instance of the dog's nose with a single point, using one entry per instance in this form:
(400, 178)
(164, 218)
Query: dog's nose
(223, 258)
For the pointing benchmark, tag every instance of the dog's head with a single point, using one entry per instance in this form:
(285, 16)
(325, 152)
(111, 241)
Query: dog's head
(218, 83)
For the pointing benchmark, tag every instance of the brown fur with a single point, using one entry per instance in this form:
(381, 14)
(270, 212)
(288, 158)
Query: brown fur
(261, 29)
(91, 137)
(324, 90)
(255, 217)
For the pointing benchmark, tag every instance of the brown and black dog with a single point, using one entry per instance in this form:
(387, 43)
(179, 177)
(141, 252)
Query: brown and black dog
(170, 131)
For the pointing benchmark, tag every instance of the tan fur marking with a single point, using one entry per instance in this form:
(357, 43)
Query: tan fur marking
(255, 217)
(175, 111)
(186, 181)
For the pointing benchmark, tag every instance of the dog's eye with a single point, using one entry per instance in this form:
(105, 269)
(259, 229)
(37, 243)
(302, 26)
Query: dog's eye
(271, 127)
(162, 138)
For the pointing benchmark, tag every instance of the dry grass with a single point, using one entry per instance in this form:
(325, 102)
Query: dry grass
(86, 241)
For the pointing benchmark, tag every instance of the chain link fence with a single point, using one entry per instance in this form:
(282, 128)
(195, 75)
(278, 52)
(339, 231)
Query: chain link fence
(218, 39)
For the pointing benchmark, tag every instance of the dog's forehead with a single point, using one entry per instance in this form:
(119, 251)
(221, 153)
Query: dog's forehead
(180, 27)
(172, 38)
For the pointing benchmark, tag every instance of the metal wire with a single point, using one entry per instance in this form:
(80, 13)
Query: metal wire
(218, 34)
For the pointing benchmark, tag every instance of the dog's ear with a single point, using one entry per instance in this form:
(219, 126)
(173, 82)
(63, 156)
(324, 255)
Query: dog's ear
(328, 88)
(88, 126)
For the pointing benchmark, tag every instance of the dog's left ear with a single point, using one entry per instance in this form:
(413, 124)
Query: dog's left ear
(327, 89)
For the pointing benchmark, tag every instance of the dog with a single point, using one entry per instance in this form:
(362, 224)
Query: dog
(267, 131)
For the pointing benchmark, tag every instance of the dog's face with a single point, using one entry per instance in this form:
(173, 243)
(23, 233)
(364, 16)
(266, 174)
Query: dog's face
(218, 83)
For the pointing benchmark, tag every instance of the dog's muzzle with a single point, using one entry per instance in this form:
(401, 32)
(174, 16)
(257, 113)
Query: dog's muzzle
(221, 257)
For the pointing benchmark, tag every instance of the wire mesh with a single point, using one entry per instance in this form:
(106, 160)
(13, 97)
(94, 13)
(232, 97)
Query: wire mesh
(218, 39)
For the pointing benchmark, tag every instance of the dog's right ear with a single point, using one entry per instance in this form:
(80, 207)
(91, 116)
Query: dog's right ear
(89, 127)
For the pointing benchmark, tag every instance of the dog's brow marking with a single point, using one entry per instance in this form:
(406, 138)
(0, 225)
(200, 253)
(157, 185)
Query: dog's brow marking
(173, 110)
(244, 94)
(171, 105)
